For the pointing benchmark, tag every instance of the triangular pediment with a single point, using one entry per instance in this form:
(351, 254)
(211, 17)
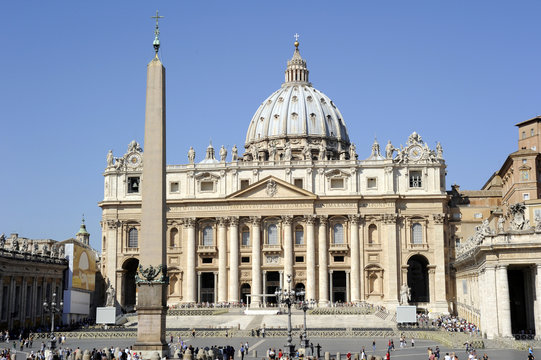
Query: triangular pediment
(272, 188)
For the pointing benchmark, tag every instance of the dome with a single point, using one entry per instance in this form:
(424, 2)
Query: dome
(299, 116)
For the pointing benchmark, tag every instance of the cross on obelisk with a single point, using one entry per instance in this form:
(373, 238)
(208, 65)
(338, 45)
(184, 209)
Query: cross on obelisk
(152, 279)
(157, 32)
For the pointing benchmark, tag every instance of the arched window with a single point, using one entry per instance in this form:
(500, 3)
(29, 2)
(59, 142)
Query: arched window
(208, 236)
(272, 234)
(133, 237)
(417, 233)
(104, 243)
(299, 235)
(173, 237)
(338, 233)
(245, 236)
(372, 234)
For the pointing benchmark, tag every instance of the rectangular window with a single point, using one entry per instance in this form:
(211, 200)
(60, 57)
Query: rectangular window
(371, 183)
(537, 213)
(524, 175)
(245, 238)
(526, 196)
(245, 259)
(478, 215)
(133, 184)
(298, 183)
(337, 183)
(299, 259)
(415, 179)
(338, 259)
(174, 187)
(206, 260)
(464, 287)
(244, 184)
(207, 186)
(299, 237)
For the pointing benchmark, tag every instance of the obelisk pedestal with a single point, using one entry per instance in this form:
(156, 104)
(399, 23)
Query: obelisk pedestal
(152, 279)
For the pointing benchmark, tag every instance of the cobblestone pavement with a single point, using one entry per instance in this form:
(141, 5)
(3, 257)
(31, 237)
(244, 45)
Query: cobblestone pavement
(342, 345)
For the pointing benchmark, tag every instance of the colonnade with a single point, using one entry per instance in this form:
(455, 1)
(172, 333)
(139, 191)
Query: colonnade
(317, 274)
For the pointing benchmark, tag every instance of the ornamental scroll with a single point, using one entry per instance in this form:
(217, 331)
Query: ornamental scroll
(151, 275)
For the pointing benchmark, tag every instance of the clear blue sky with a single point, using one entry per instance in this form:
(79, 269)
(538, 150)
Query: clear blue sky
(73, 85)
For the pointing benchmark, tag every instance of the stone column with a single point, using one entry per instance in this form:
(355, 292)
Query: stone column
(198, 300)
(354, 258)
(331, 295)
(215, 286)
(222, 260)
(391, 276)
(440, 300)
(234, 260)
(22, 301)
(310, 258)
(35, 300)
(112, 244)
(264, 288)
(492, 321)
(281, 272)
(348, 286)
(191, 262)
(537, 304)
(504, 307)
(256, 261)
(431, 282)
(288, 246)
(361, 259)
(323, 264)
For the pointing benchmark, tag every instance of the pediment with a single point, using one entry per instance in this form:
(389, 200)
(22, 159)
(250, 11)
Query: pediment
(272, 188)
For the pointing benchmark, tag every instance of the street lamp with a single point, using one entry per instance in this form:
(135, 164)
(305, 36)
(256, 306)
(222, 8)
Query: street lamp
(52, 309)
(287, 297)
(305, 306)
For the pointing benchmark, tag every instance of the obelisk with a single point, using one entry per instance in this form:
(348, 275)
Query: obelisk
(152, 277)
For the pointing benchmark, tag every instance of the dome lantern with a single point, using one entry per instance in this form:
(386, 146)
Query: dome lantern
(296, 71)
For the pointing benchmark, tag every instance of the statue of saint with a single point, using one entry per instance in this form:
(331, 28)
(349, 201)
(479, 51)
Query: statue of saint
(501, 221)
(110, 296)
(439, 151)
(234, 153)
(110, 159)
(253, 151)
(223, 154)
(15, 244)
(405, 294)
(322, 152)
(352, 152)
(272, 151)
(119, 162)
(2, 241)
(287, 154)
(191, 155)
(307, 153)
(24, 247)
(389, 150)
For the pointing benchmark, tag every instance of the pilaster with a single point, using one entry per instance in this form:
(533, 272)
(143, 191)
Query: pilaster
(391, 283)
(355, 267)
(288, 245)
(504, 306)
(323, 264)
(234, 259)
(222, 260)
(310, 258)
(256, 261)
(189, 223)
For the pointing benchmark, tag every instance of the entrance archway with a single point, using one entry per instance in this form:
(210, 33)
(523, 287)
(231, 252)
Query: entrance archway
(245, 290)
(418, 279)
(129, 289)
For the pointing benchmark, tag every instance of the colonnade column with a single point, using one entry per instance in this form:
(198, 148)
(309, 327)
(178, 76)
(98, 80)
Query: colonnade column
(264, 275)
(288, 246)
(490, 302)
(256, 261)
(222, 260)
(361, 259)
(310, 258)
(537, 304)
(190, 263)
(504, 307)
(391, 290)
(234, 259)
(355, 268)
(348, 286)
(323, 275)
(215, 286)
(198, 287)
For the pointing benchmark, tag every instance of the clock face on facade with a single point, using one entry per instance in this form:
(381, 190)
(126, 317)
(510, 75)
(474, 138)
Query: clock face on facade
(134, 160)
(415, 152)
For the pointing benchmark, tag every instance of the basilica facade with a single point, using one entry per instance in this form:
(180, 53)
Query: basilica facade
(299, 201)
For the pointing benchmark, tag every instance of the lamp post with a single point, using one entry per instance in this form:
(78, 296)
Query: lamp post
(52, 308)
(305, 341)
(287, 297)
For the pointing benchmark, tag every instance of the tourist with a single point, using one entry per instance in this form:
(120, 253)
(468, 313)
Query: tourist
(412, 342)
(374, 346)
